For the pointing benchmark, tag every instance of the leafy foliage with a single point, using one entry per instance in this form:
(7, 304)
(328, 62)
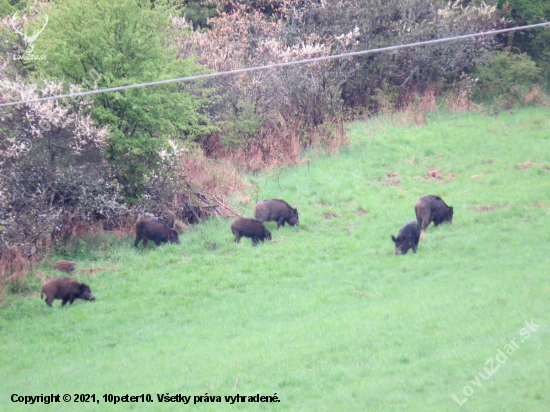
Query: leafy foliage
(51, 169)
(134, 151)
(306, 100)
(125, 42)
(198, 12)
(506, 78)
(8, 7)
(536, 43)
(378, 24)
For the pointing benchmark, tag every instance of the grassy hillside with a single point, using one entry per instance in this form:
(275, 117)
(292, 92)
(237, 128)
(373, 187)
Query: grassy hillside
(326, 317)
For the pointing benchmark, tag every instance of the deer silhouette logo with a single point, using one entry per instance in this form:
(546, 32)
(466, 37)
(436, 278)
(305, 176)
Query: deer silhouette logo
(29, 40)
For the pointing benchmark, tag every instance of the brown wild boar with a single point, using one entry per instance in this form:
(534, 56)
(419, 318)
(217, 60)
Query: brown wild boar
(65, 266)
(155, 230)
(169, 218)
(250, 228)
(65, 289)
(276, 210)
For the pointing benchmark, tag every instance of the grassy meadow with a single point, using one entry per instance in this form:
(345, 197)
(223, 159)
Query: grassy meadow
(325, 317)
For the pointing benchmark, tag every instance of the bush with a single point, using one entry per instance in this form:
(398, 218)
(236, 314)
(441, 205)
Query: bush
(126, 42)
(506, 79)
(51, 168)
(8, 7)
(534, 42)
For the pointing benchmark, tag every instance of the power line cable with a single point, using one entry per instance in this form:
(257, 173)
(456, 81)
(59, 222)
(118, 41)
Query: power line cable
(276, 65)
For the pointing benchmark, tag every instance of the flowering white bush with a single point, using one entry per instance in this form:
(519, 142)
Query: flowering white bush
(51, 168)
(307, 100)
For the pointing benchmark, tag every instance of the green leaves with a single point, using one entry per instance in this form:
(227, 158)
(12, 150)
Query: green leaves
(507, 78)
(127, 42)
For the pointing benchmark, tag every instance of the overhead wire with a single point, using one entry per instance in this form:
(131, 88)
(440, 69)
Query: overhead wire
(277, 65)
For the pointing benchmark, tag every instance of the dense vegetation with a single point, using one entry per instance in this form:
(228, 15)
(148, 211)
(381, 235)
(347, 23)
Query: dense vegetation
(326, 316)
(78, 165)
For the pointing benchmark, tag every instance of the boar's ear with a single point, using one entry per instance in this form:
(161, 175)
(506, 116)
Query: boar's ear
(393, 238)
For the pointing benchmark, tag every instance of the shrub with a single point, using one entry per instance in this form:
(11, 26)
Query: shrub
(126, 42)
(51, 167)
(506, 79)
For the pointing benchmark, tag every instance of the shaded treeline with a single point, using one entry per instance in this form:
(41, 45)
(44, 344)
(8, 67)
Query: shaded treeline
(71, 166)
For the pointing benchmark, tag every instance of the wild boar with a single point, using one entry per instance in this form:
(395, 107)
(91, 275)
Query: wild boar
(169, 218)
(276, 210)
(432, 209)
(155, 230)
(407, 238)
(65, 266)
(65, 289)
(250, 228)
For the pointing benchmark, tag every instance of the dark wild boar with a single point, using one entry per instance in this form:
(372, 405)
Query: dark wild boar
(276, 210)
(407, 238)
(155, 230)
(65, 289)
(250, 228)
(432, 209)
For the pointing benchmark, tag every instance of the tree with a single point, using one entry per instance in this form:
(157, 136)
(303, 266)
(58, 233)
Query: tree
(51, 168)
(534, 42)
(198, 11)
(8, 7)
(110, 43)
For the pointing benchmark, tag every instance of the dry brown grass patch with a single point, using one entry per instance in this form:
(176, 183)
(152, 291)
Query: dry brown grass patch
(533, 96)
(438, 176)
(274, 147)
(14, 267)
(529, 165)
(217, 177)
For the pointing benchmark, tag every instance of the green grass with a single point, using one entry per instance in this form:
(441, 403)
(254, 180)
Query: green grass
(326, 316)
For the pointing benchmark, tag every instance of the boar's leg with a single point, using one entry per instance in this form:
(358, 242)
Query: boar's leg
(425, 222)
(144, 243)
(138, 238)
(49, 300)
(65, 300)
(237, 238)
